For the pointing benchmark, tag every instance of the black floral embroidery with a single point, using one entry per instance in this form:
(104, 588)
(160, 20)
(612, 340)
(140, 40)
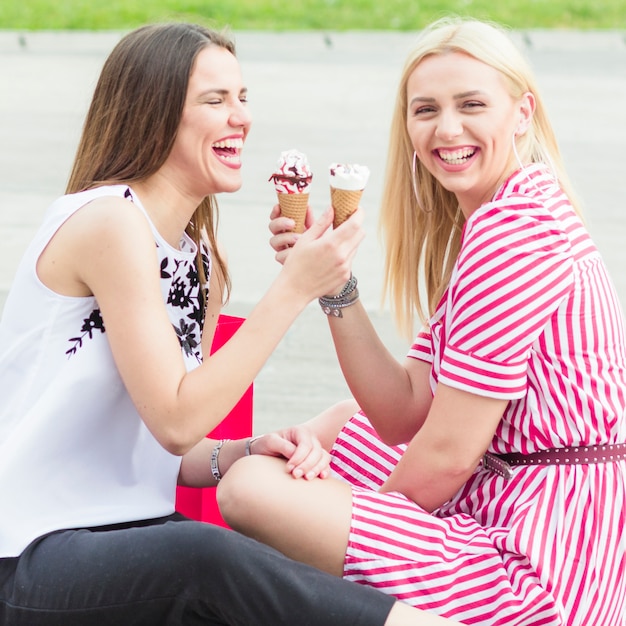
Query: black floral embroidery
(187, 336)
(181, 281)
(164, 264)
(90, 325)
(180, 294)
(197, 315)
(192, 277)
(206, 264)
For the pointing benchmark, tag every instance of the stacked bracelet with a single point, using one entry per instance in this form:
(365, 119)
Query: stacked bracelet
(332, 305)
(215, 468)
(250, 442)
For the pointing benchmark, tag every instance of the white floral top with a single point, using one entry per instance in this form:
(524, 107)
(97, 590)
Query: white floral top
(74, 452)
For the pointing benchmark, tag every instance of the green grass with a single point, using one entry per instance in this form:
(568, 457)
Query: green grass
(333, 15)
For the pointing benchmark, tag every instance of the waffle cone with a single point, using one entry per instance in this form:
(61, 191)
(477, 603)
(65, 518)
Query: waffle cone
(345, 203)
(294, 205)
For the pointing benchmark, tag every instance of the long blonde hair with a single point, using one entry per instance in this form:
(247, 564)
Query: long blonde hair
(420, 221)
(134, 116)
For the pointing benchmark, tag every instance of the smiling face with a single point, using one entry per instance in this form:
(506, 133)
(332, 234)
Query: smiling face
(461, 120)
(206, 155)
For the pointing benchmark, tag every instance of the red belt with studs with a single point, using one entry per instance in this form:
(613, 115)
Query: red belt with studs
(501, 464)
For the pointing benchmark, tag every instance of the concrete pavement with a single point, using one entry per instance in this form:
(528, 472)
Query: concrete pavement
(329, 95)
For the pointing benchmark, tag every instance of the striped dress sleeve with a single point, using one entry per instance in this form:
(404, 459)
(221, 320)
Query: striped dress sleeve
(513, 272)
(422, 346)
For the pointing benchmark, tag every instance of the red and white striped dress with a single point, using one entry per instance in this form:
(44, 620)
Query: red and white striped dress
(531, 316)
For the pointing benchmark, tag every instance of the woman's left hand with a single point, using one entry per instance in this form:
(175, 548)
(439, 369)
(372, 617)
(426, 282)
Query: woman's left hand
(306, 458)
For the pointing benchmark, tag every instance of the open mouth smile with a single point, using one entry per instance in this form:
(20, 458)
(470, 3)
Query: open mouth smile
(229, 150)
(456, 157)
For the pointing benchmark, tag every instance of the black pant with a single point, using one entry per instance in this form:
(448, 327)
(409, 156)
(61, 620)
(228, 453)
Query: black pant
(173, 571)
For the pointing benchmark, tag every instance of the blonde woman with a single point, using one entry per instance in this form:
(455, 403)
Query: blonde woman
(483, 478)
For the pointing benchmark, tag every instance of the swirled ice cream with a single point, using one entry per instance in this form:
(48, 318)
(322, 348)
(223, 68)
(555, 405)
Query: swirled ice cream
(292, 179)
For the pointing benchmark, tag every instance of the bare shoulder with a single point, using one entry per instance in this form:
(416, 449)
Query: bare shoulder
(104, 232)
(108, 226)
(109, 215)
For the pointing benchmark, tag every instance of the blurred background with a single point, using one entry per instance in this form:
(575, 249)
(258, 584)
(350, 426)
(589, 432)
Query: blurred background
(330, 15)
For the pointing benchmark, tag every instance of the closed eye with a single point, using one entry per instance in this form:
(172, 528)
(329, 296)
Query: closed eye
(424, 110)
(473, 104)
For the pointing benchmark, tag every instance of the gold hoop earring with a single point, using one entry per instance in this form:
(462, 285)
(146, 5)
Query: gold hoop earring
(414, 181)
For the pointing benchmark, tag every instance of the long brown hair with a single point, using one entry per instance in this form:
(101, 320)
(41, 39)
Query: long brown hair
(134, 116)
(420, 221)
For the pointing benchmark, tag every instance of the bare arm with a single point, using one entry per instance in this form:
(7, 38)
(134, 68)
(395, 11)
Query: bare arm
(396, 397)
(299, 445)
(447, 449)
(96, 247)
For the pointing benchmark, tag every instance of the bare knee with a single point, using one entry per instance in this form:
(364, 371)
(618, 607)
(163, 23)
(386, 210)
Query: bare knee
(242, 495)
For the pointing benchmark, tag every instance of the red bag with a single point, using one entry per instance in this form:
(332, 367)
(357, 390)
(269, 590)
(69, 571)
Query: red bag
(200, 504)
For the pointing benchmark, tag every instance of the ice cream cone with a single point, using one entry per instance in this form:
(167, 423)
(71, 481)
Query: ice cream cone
(292, 180)
(347, 182)
(345, 203)
(294, 205)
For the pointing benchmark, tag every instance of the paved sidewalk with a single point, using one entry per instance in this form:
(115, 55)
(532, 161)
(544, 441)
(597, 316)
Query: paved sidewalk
(329, 95)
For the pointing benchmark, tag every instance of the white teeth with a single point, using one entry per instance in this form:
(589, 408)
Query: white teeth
(456, 157)
(229, 143)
